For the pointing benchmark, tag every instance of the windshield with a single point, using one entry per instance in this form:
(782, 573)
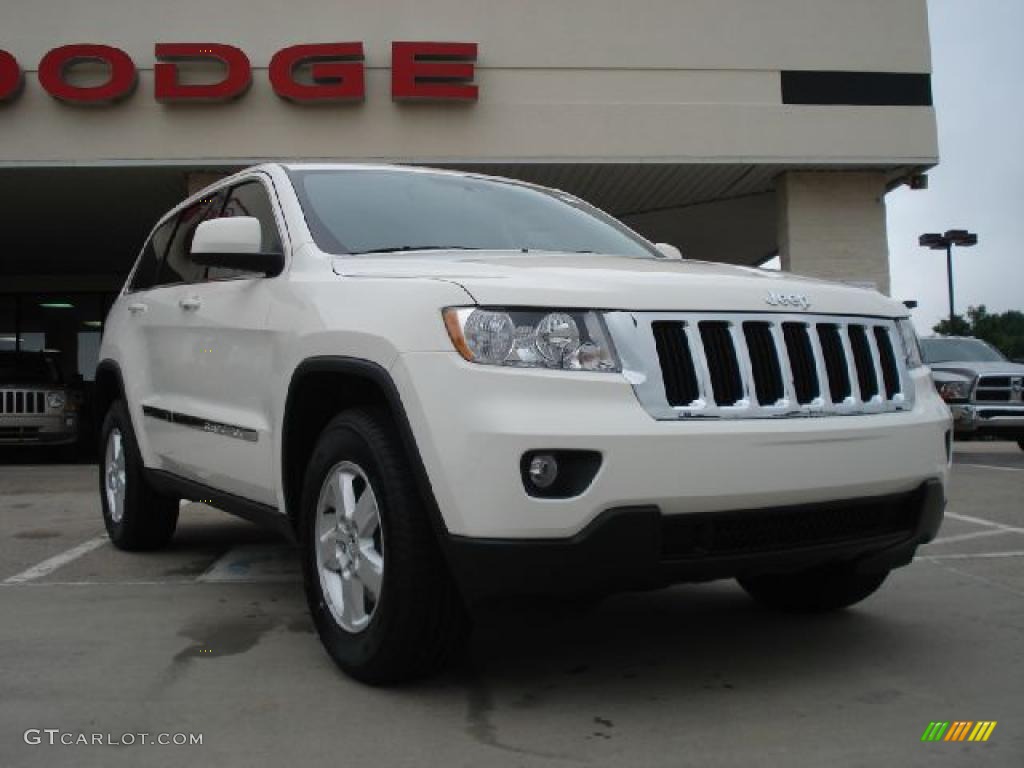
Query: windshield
(958, 350)
(28, 368)
(382, 211)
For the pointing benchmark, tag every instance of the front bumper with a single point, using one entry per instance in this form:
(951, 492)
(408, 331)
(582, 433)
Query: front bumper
(1000, 419)
(474, 423)
(639, 548)
(38, 430)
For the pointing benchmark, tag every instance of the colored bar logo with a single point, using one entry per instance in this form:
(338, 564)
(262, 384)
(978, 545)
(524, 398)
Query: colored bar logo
(959, 730)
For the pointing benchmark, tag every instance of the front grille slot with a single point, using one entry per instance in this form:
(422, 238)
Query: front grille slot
(801, 360)
(887, 359)
(867, 379)
(696, 536)
(677, 367)
(764, 362)
(19, 431)
(999, 382)
(835, 362)
(993, 396)
(723, 366)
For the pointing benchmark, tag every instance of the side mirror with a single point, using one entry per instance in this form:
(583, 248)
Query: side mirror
(669, 251)
(234, 243)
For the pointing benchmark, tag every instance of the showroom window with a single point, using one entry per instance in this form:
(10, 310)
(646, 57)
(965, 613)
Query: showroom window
(69, 326)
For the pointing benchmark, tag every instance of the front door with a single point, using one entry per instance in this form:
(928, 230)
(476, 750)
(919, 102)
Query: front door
(208, 411)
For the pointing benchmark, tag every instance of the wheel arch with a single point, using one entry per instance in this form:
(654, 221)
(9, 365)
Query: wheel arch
(109, 386)
(320, 388)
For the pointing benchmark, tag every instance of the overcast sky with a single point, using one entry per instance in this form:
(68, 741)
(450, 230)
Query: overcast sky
(978, 76)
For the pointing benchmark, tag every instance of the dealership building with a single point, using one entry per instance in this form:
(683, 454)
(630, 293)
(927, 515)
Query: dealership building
(737, 130)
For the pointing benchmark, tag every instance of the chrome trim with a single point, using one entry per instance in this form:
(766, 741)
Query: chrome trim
(1015, 421)
(633, 338)
(204, 425)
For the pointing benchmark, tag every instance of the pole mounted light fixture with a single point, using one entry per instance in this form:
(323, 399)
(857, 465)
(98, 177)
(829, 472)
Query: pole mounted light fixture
(945, 242)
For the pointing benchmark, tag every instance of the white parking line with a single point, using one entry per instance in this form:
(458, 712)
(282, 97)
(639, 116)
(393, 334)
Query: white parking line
(57, 561)
(971, 555)
(988, 466)
(983, 521)
(986, 523)
(969, 536)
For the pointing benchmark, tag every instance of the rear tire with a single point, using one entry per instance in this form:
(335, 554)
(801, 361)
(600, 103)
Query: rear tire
(135, 515)
(378, 589)
(816, 590)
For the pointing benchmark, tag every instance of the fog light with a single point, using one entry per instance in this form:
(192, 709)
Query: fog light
(543, 470)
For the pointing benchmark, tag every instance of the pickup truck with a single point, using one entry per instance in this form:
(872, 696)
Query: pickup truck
(450, 388)
(984, 390)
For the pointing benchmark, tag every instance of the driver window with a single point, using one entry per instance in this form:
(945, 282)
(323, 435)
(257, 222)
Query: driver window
(250, 199)
(177, 267)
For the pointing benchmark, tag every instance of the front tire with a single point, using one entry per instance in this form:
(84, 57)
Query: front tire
(135, 515)
(380, 594)
(816, 590)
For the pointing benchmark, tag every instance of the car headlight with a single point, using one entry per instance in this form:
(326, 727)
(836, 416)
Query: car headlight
(569, 340)
(55, 400)
(911, 345)
(953, 391)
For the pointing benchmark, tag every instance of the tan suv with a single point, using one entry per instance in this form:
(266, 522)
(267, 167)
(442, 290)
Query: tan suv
(36, 407)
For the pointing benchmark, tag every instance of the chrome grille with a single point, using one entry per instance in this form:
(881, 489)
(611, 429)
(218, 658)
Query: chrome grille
(20, 401)
(1000, 389)
(700, 365)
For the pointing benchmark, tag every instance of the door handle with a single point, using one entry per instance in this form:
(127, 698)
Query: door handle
(190, 303)
(137, 308)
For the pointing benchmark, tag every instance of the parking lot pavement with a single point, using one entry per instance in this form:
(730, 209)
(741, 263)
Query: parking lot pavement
(212, 637)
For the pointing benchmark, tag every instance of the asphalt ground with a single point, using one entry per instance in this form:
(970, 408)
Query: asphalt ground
(211, 637)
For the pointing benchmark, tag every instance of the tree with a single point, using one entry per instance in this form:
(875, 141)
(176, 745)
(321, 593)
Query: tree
(955, 326)
(1004, 331)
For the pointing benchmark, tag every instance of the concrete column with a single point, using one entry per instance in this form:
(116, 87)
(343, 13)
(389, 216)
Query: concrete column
(832, 225)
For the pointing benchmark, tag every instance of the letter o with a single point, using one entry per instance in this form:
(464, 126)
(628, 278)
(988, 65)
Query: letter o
(12, 79)
(55, 64)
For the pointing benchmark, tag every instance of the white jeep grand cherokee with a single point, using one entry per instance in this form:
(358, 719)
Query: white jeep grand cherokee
(448, 387)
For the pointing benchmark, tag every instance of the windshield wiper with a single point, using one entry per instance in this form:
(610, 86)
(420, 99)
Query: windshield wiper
(401, 248)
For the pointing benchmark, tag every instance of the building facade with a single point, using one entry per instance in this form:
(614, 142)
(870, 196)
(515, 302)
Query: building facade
(734, 129)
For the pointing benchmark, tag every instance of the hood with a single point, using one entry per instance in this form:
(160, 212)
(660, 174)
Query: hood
(970, 369)
(503, 278)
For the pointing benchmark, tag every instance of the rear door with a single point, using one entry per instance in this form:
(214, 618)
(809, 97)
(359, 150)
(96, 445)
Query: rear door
(129, 327)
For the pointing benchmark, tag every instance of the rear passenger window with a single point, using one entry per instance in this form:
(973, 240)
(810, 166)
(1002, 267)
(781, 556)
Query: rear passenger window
(250, 199)
(177, 266)
(145, 275)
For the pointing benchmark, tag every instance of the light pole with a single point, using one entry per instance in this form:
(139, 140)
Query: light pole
(937, 242)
